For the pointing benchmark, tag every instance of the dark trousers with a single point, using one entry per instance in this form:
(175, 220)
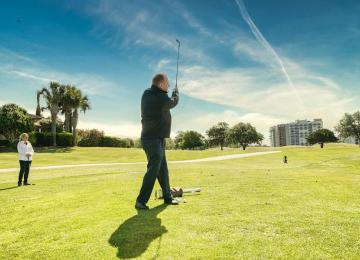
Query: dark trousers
(156, 169)
(24, 171)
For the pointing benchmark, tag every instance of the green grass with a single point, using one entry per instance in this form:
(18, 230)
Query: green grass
(249, 208)
(79, 155)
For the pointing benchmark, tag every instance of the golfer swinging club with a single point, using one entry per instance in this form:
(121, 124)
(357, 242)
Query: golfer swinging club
(156, 126)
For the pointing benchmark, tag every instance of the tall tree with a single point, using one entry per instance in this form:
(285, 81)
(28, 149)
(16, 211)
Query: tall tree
(179, 140)
(53, 95)
(67, 103)
(82, 104)
(14, 120)
(321, 136)
(349, 126)
(244, 134)
(217, 134)
(192, 140)
(38, 109)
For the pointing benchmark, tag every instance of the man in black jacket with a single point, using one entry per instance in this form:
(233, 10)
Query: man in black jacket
(156, 126)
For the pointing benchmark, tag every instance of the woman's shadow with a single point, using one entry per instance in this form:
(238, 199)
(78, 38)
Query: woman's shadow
(134, 236)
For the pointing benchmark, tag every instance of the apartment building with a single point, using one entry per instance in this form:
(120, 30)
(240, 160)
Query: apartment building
(294, 133)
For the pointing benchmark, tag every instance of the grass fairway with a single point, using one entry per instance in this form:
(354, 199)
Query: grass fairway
(81, 155)
(254, 207)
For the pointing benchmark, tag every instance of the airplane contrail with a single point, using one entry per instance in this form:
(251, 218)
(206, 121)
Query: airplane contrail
(262, 40)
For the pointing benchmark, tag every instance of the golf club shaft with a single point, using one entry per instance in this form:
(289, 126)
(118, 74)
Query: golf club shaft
(191, 190)
(177, 64)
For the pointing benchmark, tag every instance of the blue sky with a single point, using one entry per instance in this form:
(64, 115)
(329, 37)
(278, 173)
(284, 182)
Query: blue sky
(263, 62)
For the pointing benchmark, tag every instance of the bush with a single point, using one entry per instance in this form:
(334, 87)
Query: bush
(89, 138)
(192, 140)
(108, 141)
(45, 139)
(64, 139)
(13, 144)
(96, 138)
(45, 125)
(137, 143)
(32, 138)
(170, 144)
(4, 143)
(14, 120)
(129, 143)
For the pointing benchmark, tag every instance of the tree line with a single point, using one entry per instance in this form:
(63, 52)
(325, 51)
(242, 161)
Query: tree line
(57, 98)
(69, 101)
(348, 126)
(65, 99)
(239, 135)
(244, 134)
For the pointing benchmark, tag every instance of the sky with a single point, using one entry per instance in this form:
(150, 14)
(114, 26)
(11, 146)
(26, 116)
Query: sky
(262, 62)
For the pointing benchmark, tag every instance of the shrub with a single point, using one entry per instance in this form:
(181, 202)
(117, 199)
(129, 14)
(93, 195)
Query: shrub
(89, 138)
(137, 143)
(96, 138)
(32, 138)
(129, 143)
(45, 125)
(108, 141)
(14, 120)
(45, 139)
(4, 142)
(64, 139)
(190, 140)
(170, 144)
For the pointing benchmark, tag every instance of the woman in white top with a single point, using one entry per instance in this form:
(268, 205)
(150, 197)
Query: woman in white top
(26, 152)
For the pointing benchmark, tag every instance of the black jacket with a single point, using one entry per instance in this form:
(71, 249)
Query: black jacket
(155, 112)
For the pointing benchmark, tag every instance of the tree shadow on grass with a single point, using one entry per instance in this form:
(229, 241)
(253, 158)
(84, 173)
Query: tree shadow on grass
(133, 236)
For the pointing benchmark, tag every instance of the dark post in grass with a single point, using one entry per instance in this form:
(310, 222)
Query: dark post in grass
(285, 159)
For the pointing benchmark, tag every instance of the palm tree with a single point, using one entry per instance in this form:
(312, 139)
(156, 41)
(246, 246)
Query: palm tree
(67, 105)
(53, 95)
(80, 103)
(38, 109)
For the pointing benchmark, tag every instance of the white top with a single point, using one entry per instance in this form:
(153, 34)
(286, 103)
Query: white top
(25, 151)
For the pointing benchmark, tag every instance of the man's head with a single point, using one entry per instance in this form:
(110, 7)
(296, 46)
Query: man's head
(161, 81)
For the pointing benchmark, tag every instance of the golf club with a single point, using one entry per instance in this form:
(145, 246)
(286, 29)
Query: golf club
(176, 192)
(177, 64)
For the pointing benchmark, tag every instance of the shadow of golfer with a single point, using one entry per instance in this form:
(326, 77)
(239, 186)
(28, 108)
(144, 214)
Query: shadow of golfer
(10, 188)
(134, 236)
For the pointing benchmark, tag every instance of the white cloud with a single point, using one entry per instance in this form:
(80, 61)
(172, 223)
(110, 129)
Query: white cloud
(263, 41)
(260, 121)
(6, 54)
(252, 49)
(123, 129)
(161, 64)
(260, 91)
(30, 76)
(190, 19)
(19, 66)
(259, 94)
(124, 25)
